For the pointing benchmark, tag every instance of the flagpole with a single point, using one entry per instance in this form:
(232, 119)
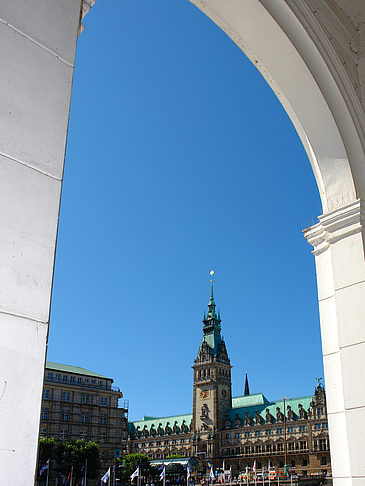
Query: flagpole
(72, 473)
(85, 476)
(48, 472)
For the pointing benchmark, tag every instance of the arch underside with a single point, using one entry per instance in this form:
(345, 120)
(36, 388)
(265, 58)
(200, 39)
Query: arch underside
(277, 42)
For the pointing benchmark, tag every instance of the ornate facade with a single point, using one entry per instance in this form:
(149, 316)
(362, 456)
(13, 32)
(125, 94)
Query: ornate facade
(238, 430)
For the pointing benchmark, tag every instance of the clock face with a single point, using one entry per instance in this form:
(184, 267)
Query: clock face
(224, 393)
(204, 394)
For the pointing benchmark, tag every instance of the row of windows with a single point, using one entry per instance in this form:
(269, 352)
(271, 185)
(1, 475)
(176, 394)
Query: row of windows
(78, 380)
(161, 443)
(324, 425)
(64, 434)
(277, 431)
(85, 397)
(268, 448)
(65, 416)
(71, 379)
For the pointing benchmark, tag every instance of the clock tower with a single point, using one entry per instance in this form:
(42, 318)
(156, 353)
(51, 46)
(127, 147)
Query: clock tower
(212, 394)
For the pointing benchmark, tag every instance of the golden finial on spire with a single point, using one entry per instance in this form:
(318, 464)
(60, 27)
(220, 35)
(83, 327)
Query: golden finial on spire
(211, 274)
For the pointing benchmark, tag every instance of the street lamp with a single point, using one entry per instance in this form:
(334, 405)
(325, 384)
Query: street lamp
(286, 467)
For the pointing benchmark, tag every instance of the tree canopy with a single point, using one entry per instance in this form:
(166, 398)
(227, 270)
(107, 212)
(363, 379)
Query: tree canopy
(65, 455)
(132, 461)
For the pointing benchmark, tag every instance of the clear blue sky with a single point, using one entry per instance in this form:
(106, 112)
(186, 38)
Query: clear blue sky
(180, 159)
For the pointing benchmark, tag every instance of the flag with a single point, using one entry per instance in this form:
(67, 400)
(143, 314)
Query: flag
(162, 475)
(107, 476)
(69, 478)
(211, 474)
(46, 466)
(254, 466)
(134, 475)
(188, 471)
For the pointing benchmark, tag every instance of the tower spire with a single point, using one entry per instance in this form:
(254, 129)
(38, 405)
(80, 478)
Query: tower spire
(211, 305)
(247, 388)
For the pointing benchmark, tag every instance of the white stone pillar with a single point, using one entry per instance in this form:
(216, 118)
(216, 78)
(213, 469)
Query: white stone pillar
(338, 241)
(38, 41)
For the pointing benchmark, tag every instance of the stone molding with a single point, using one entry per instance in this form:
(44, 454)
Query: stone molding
(85, 7)
(336, 225)
(340, 45)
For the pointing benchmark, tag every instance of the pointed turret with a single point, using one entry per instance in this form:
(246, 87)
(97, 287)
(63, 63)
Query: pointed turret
(247, 388)
(211, 305)
(212, 325)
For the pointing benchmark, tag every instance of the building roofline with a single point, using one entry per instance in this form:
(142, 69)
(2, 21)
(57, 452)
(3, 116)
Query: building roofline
(74, 369)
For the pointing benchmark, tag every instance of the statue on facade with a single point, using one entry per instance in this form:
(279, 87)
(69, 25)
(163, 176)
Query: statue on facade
(160, 429)
(227, 423)
(138, 432)
(145, 431)
(152, 430)
(247, 419)
(184, 427)
(175, 428)
(204, 412)
(301, 412)
(257, 418)
(279, 415)
(290, 413)
(168, 428)
(267, 417)
(237, 421)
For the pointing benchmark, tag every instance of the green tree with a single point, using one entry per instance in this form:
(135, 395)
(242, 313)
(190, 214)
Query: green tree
(47, 450)
(174, 456)
(74, 454)
(131, 463)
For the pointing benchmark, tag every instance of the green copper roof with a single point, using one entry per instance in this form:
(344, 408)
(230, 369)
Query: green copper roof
(72, 369)
(156, 421)
(249, 400)
(251, 408)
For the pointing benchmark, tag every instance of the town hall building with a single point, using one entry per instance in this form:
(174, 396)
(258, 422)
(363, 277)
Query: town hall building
(241, 431)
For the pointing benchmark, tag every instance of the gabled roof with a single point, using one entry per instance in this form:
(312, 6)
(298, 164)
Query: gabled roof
(249, 400)
(73, 369)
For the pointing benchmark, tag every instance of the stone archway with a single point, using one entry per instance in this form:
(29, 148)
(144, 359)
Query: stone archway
(312, 54)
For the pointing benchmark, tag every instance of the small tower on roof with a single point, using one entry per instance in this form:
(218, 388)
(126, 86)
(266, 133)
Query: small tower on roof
(247, 388)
